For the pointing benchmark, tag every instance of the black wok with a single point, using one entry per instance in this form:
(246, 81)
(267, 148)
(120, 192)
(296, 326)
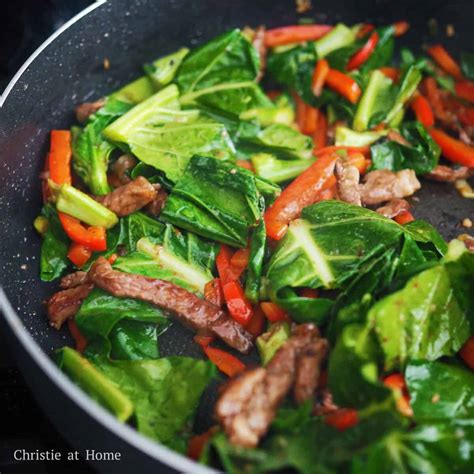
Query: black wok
(68, 69)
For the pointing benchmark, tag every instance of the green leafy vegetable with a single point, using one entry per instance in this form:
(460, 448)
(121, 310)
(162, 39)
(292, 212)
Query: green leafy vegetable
(467, 64)
(55, 246)
(383, 53)
(282, 112)
(269, 167)
(347, 137)
(163, 70)
(258, 243)
(269, 342)
(339, 37)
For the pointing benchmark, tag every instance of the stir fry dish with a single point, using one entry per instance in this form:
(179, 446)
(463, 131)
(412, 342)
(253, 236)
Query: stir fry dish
(254, 190)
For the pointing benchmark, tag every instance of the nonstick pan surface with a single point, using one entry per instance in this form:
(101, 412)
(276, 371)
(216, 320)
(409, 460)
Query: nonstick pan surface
(68, 70)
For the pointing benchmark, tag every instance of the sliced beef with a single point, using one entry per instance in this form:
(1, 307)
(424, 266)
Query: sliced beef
(393, 208)
(121, 168)
(324, 403)
(73, 279)
(347, 183)
(259, 44)
(66, 303)
(130, 197)
(447, 174)
(249, 403)
(383, 185)
(157, 204)
(184, 305)
(85, 110)
(394, 136)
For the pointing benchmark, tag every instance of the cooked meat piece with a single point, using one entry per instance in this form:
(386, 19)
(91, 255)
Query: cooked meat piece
(393, 208)
(73, 279)
(447, 174)
(157, 204)
(468, 241)
(259, 44)
(249, 403)
(130, 197)
(394, 136)
(186, 306)
(466, 135)
(66, 303)
(347, 183)
(324, 404)
(383, 185)
(85, 110)
(308, 369)
(122, 166)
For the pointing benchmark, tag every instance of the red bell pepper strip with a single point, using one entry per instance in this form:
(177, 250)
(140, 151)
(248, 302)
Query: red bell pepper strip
(343, 85)
(239, 307)
(467, 352)
(452, 149)
(465, 90)
(400, 28)
(361, 56)
(60, 156)
(310, 121)
(445, 61)
(273, 312)
(397, 383)
(93, 237)
(245, 164)
(358, 160)
(112, 258)
(433, 95)
(213, 292)
(79, 254)
(342, 419)
(302, 192)
(257, 322)
(197, 443)
(226, 271)
(364, 30)
(404, 217)
(391, 72)
(80, 340)
(319, 77)
(422, 109)
(365, 150)
(320, 135)
(300, 112)
(203, 340)
(240, 259)
(225, 362)
(294, 34)
(466, 116)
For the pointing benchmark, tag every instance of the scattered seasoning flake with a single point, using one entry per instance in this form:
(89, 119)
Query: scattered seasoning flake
(302, 6)
(464, 188)
(467, 222)
(449, 30)
(233, 171)
(106, 64)
(23, 267)
(435, 398)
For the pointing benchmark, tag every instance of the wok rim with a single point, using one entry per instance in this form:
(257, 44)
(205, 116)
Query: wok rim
(131, 436)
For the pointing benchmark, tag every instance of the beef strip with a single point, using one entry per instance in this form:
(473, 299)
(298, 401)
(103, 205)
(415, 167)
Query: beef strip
(85, 110)
(66, 303)
(130, 197)
(248, 404)
(184, 305)
(121, 167)
(158, 203)
(73, 279)
(393, 208)
(347, 183)
(324, 404)
(383, 185)
(259, 45)
(447, 174)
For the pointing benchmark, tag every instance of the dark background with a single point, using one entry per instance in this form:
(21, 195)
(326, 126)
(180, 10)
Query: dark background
(24, 25)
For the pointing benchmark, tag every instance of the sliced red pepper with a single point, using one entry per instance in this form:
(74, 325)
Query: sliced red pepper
(213, 292)
(391, 72)
(320, 73)
(343, 85)
(300, 112)
(225, 362)
(361, 56)
(203, 340)
(433, 95)
(227, 272)
(302, 192)
(239, 307)
(467, 352)
(320, 135)
(445, 61)
(465, 90)
(400, 28)
(310, 121)
(80, 340)
(404, 217)
(358, 160)
(245, 164)
(79, 254)
(397, 383)
(466, 116)
(92, 237)
(330, 192)
(273, 312)
(112, 258)
(452, 149)
(294, 34)
(423, 111)
(365, 150)
(197, 443)
(342, 419)
(257, 323)
(60, 154)
(240, 259)
(364, 30)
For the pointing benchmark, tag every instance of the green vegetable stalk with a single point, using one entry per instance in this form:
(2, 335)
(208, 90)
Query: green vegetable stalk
(347, 137)
(339, 37)
(95, 383)
(269, 342)
(269, 167)
(81, 206)
(163, 70)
